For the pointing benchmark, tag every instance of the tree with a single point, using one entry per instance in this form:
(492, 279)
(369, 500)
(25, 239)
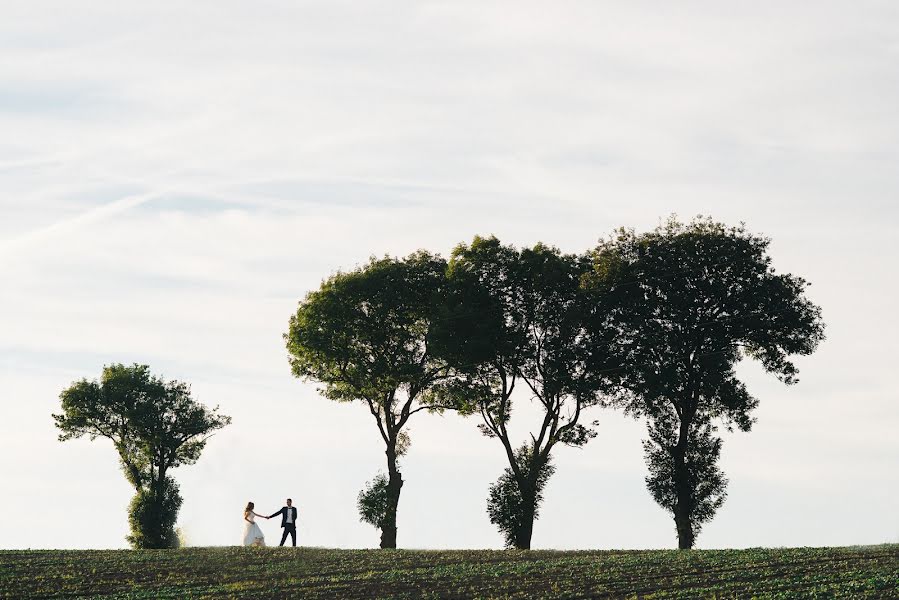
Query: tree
(155, 426)
(692, 301)
(366, 335)
(519, 318)
(505, 505)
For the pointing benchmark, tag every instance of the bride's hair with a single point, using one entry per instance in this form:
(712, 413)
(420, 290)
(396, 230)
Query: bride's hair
(249, 507)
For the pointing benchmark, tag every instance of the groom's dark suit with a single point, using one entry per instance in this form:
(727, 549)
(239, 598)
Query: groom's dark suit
(289, 527)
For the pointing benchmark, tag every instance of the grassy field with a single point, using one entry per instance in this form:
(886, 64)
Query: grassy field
(260, 573)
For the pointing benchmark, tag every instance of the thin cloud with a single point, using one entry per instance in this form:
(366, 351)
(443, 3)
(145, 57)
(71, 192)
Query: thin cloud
(10, 248)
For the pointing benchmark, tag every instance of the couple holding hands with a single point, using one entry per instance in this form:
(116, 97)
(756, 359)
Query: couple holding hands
(252, 535)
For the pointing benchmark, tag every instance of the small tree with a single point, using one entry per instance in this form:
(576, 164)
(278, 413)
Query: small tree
(520, 317)
(373, 502)
(155, 427)
(692, 300)
(366, 335)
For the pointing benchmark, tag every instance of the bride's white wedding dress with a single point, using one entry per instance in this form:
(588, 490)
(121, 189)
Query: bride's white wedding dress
(252, 535)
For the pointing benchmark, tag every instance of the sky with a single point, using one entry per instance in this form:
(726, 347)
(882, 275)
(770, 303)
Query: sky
(175, 177)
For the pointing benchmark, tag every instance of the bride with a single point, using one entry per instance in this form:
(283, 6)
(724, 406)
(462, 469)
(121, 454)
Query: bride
(252, 535)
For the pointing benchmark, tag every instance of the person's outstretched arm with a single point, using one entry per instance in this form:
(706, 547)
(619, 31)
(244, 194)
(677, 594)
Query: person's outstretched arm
(275, 514)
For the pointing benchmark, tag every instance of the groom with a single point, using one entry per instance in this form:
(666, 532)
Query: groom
(288, 522)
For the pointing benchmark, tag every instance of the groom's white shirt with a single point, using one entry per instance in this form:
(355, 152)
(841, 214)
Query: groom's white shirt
(289, 518)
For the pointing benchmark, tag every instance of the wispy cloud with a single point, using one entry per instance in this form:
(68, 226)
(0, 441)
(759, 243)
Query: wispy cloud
(44, 235)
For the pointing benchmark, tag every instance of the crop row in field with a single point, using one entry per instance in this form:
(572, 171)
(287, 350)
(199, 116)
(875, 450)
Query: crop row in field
(261, 573)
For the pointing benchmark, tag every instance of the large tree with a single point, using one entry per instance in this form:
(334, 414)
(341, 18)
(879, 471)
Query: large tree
(155, 426)
(692, 301)
(517, 320)
(365, 334)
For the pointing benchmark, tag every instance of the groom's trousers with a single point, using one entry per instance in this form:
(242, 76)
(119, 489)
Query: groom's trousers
(290, 528)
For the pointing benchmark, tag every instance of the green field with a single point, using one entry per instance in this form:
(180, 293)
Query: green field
(259, 573)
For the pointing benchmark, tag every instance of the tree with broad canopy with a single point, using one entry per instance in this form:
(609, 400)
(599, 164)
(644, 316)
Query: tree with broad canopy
(692, 300)
(155, 426)
(519, 319)
(366, 335)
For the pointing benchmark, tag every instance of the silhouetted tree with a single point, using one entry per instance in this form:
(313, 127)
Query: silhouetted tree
(365, 334)
(519, 318)
(505, 505)
(691, 301)
(155, 427)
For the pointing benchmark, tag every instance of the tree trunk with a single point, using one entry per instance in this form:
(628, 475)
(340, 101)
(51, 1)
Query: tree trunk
(526, 529)
(528, 510)
(684, 522)
(154, 526)
(394, 486)
(683, 510)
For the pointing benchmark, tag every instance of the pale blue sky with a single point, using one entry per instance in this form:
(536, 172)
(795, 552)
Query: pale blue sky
(173, 178)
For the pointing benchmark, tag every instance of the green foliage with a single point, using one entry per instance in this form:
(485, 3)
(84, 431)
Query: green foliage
(690, 301)
(152, 515)
(364, 334)
(155, 426)
(510, 509)
(702, 478)
(520, 316)
(693, 299)
(373, 501)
